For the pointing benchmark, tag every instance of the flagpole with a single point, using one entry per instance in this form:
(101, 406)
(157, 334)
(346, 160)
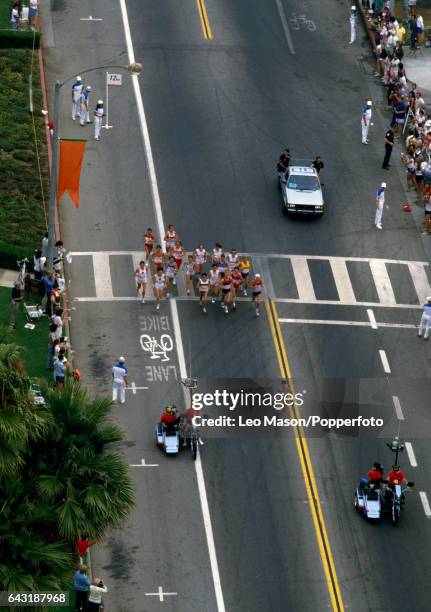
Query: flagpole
(53, 178)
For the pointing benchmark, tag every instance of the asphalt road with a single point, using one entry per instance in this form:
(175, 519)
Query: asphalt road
(219, 112)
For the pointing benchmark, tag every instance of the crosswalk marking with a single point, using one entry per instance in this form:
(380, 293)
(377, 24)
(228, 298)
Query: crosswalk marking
(382, 282)
(342, 280)
(303, 281)
(420, 280)
(302, 278)
(102, 275)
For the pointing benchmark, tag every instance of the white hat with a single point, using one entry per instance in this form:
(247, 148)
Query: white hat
(88, 88)
(383, 185)
(99, 101)
(121, 360)
(429, 298)
(369, 103)
(78, 78)
(353, 8)
(257, 275)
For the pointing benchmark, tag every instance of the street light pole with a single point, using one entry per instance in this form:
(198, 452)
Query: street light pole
(134, 68)
(53, 178)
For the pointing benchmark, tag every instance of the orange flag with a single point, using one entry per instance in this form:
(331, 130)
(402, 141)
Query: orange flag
(71, 156)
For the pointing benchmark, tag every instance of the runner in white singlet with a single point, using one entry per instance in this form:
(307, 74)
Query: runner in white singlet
(159, 286)
(189, 271)
(141, 279)
(200, 257)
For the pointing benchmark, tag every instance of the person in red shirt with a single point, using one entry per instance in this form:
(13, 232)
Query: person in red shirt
(149, 240)
(376, 473)
(169, 417)
(396, 476)
(83, 544)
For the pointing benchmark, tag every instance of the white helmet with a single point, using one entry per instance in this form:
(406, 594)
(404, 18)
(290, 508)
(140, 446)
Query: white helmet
(78, 78)
(429, 298)
(383, 185)
(257, 275)
(369, 103)
(353, 8)
(121, 360)
(100, 102)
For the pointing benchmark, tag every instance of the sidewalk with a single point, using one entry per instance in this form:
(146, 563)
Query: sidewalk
(418, 69)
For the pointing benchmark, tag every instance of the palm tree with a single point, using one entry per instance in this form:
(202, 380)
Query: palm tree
(20, 419)
(76, 467)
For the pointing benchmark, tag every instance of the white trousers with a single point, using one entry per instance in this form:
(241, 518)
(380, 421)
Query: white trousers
(119, 388)
(97, 126)
(379, 215)
(352, 33)
(75, 107)
(365, 128)
(84, 115)
(425, 325)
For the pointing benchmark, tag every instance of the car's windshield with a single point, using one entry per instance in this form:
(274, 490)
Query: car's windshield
(303, 183)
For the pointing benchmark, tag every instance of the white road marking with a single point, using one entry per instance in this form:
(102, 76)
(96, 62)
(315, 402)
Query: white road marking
(303, 281)
(102, 276)
(342, 280)
(382, 281)
(143, 464)
(385, 362)
(160, 594)
(411, 454)
(285, 26)
(337, 303)
(425, 503)
(90, 18)
(420, 280)
(174, 312)
(346, 323)
(398, 409)
(134, 388)
(372, 318)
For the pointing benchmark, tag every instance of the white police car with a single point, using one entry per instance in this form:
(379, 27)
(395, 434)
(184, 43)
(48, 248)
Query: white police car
(301, 190)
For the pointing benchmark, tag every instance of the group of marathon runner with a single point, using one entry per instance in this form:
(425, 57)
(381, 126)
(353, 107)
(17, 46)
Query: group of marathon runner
(229, 274)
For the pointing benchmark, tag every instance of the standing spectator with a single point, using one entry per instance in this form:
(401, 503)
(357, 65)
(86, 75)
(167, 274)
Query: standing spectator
(401, 33)
(389, 143)
(353, 17)
(419, 102)
(77, 89)
(413, 32)
(365, 121)
(60, 370)
(425, 324)
(380, 203)
(38, 264)
(400, 110)
(58, 257)
(420, 29)
(48, 285)
(45, 245)
(82, 585)
(98, 117)
(83, 544)
(119, 377)
(97, 588)
(57, 320)
(52, 341)
(410, 164)
(427, 211)
(16, 300)
(381, 55)
(399, 53)
(15, 17)
(33, 11)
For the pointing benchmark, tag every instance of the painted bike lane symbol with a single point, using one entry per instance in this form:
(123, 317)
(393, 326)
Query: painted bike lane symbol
(297, 21)
(158, 349)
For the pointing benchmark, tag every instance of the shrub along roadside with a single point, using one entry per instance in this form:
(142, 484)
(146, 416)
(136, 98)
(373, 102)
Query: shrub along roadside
(22, 215)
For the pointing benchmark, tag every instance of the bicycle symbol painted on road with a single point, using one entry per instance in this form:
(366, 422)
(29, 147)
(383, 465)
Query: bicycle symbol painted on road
(158, 350)
(297, 21)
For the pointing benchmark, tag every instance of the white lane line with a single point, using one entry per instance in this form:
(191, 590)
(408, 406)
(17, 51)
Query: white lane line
(398, 409)
(411, 454)
(385, 362)
(303, 281)
(143, 464)
(347, 323)
(102, 276)
(285, 26)
(342, 280)
(133, 388)
(420, 280)
(278, 256)
(382, 281)
(425, 503)
(372, 318)
(174, 312)
(337, 303)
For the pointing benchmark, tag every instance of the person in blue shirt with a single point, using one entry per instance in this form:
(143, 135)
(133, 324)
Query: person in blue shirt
(60, 370)
(82, 585)
(425, 324)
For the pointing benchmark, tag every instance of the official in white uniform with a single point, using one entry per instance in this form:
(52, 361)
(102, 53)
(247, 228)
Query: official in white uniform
(98, 117)
(84, 115)
(365, 121)
(425, 324)
(77, 89)
(353, 17)
(119, 384)
(380, 204)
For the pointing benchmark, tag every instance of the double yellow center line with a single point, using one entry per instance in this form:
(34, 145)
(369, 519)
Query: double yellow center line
(206, 28)
(307, 468)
